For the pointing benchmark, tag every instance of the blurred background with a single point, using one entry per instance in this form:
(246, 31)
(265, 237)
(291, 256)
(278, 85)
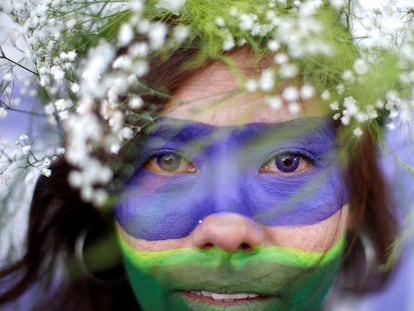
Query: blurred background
(26, 116)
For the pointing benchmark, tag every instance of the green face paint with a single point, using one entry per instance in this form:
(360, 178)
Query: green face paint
(283, 278)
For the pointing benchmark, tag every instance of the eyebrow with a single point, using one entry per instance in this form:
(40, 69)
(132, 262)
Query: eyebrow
(184, 131)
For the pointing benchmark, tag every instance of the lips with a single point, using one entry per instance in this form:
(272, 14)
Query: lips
(222, 297)
(218, 301)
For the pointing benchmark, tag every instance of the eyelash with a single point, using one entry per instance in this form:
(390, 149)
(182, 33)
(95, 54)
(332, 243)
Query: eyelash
(177, 164)
(295, 163)
(180, 165)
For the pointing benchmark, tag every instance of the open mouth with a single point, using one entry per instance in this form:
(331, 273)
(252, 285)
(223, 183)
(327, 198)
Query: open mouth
(223, 298)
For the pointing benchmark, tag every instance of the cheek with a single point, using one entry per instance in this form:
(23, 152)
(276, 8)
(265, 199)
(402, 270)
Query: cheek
(158, 208)
(318, 237)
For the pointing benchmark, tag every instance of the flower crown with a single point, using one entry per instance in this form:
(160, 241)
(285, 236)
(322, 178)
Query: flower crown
(89, 61)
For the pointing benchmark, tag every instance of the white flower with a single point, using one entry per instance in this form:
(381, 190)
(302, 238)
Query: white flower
(280, 58)
(26, 149)
(273, 45)
(181, 32)
(100, 197)
(390, 126)
(116, 121)
(234, 11)
(63, 104)
(71, 23)
(171, 5)
(3, 113)
(275, 102)
(97, 62)
(49, 109)
(135, 103)
(141, 68)
(290, 93)
(361, 117)
(348, 76)
(220, 21)
(125, 133)
(360, 67)
(351, 107)
(271, 16)
(357, 132)
(325, 95)
(75, 179)
(125, 35)
(24, 138)
(267, 80)
(157, 34)
(8, 77)
(75, 88)
(247, 21)
(309, 7)
(122, 62)
(143, 26)
(294, 108)
(371, 112)
(340, 88)
(60, 151)
(288, 70)
(334, 106)
(228, 43)
(139, 49)
(136, 5)
(114, 149)
(307, 91)
(251, 85)
(337, 4)
(345, 119)
(8, 90)
(46, 172)
(46, 162)
(380, 104)
(87, 193)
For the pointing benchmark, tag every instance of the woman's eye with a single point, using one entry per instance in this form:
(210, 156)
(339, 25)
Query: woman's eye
(287, 163)
(169, 164)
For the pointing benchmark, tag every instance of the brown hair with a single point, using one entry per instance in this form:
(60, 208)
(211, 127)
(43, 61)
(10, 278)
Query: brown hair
(374, 224)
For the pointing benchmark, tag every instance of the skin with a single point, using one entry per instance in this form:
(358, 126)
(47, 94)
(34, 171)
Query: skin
(209, 96)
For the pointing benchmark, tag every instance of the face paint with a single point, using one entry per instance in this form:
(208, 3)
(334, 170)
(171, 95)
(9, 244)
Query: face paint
(228, 178)
(274, 278)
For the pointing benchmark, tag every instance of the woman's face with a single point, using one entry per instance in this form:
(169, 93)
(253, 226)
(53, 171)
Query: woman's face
(234, 205)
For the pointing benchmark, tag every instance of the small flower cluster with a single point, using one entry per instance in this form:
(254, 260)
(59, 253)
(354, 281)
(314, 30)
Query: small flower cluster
(89, 60)
(105, 101)
(22, 155)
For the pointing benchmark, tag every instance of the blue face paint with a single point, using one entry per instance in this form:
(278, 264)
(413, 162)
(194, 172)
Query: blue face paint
(228, 174)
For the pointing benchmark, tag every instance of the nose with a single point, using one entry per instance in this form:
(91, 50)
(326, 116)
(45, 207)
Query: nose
(228, 231)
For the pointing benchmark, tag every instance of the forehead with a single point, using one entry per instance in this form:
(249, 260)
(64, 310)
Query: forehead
(215, 95)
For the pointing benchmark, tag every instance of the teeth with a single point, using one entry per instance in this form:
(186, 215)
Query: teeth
(224, 297)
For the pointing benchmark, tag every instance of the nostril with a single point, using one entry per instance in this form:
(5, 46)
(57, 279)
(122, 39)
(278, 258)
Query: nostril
(246, 247)
(208, 246)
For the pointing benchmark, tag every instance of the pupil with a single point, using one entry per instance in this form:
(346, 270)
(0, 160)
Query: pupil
(287, 162)
(168, 162)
